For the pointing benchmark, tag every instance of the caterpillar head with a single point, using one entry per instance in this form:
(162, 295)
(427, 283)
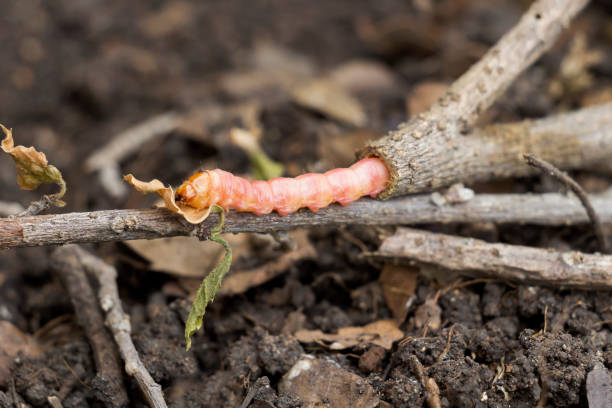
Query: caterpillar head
(194, 191)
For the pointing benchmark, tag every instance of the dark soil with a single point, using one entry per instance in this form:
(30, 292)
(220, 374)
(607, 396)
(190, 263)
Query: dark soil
(75, 73)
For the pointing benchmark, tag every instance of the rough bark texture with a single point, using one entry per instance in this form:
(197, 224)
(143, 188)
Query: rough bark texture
(122, 225)
(419, 152)
(508, 262)
(581, 139)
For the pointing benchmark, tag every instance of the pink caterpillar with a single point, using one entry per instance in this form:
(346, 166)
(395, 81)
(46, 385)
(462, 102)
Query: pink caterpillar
(285, 195)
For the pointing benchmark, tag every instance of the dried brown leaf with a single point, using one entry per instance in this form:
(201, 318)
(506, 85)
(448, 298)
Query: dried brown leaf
(328, 98)
(398, 283)
(192, 215)
(382, 333)
(33, 169)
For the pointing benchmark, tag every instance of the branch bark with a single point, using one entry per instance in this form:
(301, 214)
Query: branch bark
(508, 262)
(123, 225)
(419, 153)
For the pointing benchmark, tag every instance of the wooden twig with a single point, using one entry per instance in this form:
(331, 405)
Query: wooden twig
(109, 378)
(420, 154)
(123, 225)
(131, 139)
(119, 324)
(570, 183)
(507, 262)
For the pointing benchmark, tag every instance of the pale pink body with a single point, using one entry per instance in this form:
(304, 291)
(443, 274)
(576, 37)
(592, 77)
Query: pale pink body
(285, 195)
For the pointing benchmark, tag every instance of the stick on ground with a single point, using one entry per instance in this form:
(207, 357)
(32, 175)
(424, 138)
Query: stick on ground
(108, 380)
(507, 262)
(119, 324)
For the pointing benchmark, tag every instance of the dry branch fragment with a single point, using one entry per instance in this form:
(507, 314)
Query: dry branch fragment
(109, 378)
(119, 324)
(509, 262)
(131, 139)
(420, 150)
(122, 225)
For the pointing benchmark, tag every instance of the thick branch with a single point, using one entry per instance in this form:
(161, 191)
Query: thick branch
(122, 225)
(418, 150)
(508, 262)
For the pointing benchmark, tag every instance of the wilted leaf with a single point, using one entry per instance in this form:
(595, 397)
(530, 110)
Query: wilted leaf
(192, 215)
(330, 99)
(382, 333)
(264, 168)
(398, 283)
(32, 166)
(210, 285)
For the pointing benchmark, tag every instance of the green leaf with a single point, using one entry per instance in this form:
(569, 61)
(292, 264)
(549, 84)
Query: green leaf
(210, 285)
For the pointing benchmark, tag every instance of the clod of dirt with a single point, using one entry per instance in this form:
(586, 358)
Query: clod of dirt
(162, 348)
(57, 372)
(318, 381)
(461, 306)
(372, 359)
(277, 353)
(562, 362)
(463, 381)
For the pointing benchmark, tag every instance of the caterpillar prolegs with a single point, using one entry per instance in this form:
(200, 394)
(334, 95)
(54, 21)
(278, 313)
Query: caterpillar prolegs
(285, 195)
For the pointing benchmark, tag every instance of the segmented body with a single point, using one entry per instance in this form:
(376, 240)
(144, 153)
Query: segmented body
(285, 195)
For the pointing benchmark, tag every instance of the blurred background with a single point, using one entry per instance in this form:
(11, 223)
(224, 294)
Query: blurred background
(75, 74)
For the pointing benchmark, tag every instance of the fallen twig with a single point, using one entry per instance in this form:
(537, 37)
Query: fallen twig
(106, 160)
(119, 324)
(508, 262)
(109, 377)
(421, 154)
(570, 183)
(122, 225)
(131, 139)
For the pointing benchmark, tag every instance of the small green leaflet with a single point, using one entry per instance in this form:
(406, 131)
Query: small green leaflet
(211, 284)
